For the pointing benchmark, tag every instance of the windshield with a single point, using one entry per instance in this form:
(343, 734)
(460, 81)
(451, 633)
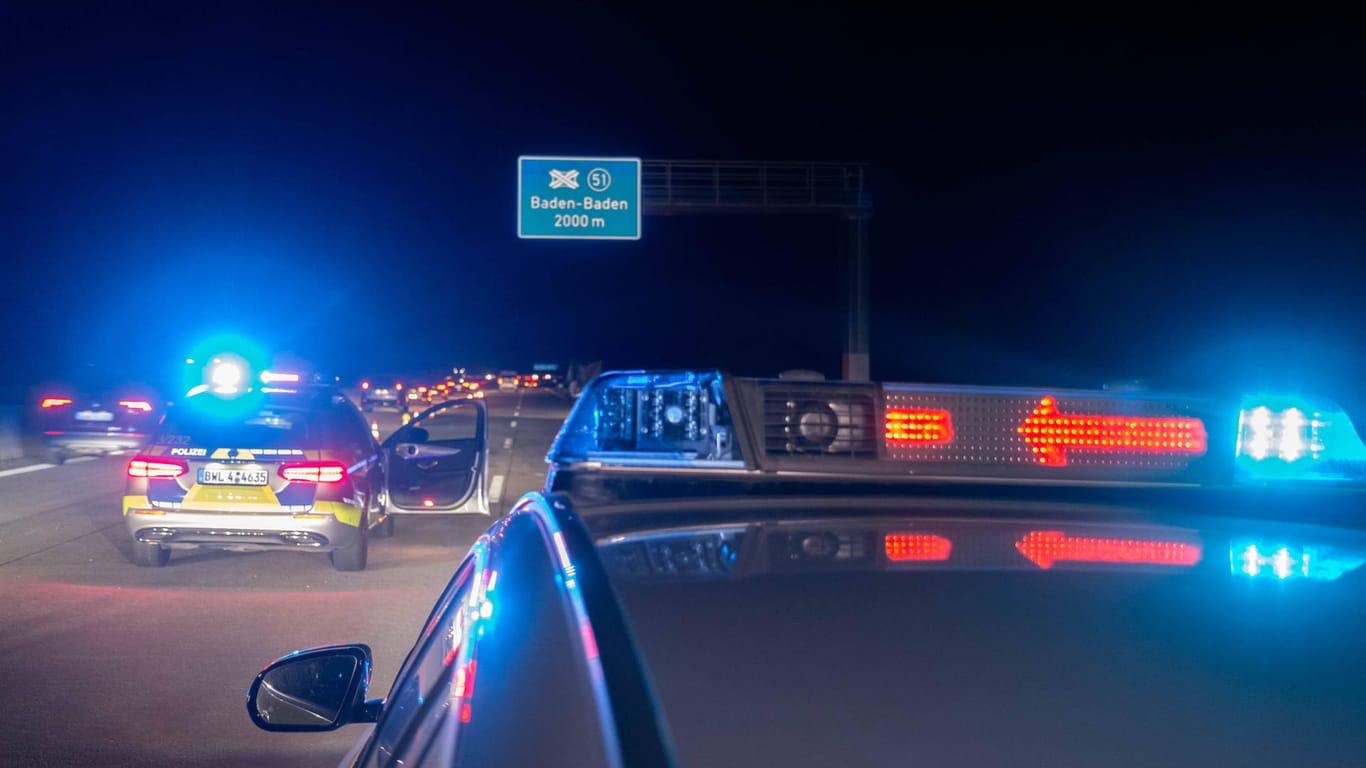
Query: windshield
(271, 426)
(953, 643)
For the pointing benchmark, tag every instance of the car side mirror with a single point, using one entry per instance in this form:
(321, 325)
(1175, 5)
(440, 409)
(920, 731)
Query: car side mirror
(320, 689)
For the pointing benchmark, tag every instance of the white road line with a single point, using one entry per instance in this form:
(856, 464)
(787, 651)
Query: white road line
(496, 489)
(513, 424)
(36, 467)
(507, 444)
(517, 413)
(29, 468)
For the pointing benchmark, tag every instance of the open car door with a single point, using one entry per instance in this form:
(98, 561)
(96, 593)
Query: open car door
(438, 462)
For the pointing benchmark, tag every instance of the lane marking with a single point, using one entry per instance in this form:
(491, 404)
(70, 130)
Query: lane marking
(496, 489)
(507, 444)
(517, 413)
(36, 467)
(29, 468)
(513, 424)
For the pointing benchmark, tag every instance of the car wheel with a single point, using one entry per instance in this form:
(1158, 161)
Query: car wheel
(385, 529)
(150, 554)
(352, 557)
(56, 456)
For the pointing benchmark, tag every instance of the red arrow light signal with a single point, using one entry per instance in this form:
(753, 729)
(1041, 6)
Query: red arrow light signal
(1052, 434)
(1045, 548)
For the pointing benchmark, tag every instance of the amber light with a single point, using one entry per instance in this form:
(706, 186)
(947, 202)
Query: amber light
(909, 547)
(905, 426)
(55, 402)
(1045, 548)
(1051, 434)
(137, 405)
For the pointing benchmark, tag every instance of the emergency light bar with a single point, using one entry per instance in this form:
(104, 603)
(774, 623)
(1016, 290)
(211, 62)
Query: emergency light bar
(706, 419)
(1297, 439)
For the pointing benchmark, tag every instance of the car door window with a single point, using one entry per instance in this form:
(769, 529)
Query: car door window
(436, 462)
(341, 432)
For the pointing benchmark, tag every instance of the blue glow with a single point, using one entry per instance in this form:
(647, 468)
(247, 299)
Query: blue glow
(1286, 561)
(1297, 439)
(588, 641)
(671, 419)
(225, 374)
(247, 352)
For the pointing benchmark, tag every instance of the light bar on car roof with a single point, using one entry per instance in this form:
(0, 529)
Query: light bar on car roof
(702, 419)
(1297, 439)
(650, 419)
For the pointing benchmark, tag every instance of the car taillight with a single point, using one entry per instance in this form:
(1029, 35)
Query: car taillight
(154, 466)
(137, 405)
(56, 402)
(314, 472)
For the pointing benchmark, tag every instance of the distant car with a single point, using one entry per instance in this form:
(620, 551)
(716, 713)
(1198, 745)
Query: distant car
(384, 392)
(95, 418)
(507, 380)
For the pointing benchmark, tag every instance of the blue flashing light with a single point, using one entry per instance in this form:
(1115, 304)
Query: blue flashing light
(1283, 562)
(1298, 440)
(226, 375)
(199, 363)
(650, 419)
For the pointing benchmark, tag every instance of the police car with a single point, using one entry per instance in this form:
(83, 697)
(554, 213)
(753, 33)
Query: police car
(290, 464)
(725, 572)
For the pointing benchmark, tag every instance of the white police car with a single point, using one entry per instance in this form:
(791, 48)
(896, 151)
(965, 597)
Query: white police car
(726, 572)
(276, 461)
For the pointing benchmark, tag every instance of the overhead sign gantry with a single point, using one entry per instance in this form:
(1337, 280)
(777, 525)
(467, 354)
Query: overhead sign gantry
(587, 198)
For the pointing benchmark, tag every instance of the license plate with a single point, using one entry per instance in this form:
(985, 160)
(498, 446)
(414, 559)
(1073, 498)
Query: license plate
(94, 416)
(233, 476)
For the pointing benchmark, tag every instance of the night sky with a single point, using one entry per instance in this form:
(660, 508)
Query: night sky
(1067, 202)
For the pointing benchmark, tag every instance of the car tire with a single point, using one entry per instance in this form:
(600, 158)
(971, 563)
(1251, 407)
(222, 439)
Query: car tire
(150, 554)
(352, 557)
(56, 456)
(385, 529)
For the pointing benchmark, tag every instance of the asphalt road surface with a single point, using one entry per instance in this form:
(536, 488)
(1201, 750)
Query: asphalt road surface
(109, 664)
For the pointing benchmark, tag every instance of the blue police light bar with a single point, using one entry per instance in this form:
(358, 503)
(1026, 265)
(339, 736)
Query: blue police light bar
(1295, 439)
(1284, 561)
(683, 419)
(635, 418)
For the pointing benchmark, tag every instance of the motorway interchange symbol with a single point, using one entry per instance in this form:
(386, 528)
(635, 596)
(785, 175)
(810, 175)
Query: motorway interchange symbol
(564, 179)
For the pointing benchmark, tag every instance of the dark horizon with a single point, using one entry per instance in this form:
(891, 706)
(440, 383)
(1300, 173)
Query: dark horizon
(1054, 204)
